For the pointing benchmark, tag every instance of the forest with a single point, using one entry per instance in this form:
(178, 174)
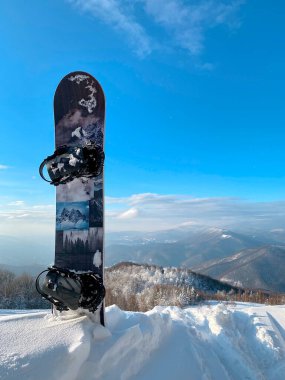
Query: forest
(138, 288)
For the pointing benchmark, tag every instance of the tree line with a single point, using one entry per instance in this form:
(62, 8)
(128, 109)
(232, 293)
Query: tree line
(19, 292)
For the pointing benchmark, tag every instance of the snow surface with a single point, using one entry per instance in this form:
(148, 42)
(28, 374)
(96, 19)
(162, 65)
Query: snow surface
(213, 341)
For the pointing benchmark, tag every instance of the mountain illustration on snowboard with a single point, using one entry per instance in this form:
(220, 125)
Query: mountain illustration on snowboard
(72, 215)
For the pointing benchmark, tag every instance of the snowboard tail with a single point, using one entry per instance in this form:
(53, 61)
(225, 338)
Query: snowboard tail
(76, 169)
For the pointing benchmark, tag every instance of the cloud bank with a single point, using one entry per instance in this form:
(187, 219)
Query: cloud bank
(150, 212)
(18, 218)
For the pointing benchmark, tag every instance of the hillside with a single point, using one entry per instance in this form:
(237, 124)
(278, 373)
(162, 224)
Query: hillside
(250, 268)
(214, 341)
(140, 287)
(254, 260)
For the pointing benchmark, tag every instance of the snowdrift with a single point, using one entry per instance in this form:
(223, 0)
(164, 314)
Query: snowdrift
(214, 341)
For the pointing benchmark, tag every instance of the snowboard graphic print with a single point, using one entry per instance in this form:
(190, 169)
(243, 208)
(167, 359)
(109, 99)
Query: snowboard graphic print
(79, 113)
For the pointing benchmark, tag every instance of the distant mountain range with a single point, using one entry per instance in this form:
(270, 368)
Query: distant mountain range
(26, 252)
(255, 260)
(252, 259)
(262, 268)
(186, 247)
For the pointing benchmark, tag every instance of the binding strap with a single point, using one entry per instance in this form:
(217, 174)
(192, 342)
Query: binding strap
(67, 163)
(69, 290)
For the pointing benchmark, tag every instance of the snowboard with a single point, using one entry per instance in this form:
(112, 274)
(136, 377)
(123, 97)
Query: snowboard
(79, 115)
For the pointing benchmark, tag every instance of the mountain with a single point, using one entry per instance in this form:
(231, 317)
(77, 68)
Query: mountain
(137, 278)
(33, 269)
(186, 247)
(20, 251)
(211, 251)
(253, 260)
(261, 267)
(140, 287)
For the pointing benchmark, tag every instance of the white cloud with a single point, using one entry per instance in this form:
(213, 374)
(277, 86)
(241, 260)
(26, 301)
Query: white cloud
(281, 230)
(185, 23)
(150, 212)
(20, 219)
(3, 167)
(128, 214)
(43, 207)
(114, 200)
(17, 203)
(190, 22)
(22, 215)
(37, 214)
(118, 15)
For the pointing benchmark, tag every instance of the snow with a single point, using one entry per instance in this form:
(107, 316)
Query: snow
(212, 341)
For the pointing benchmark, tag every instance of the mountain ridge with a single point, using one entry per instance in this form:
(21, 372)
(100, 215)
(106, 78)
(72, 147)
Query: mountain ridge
(262, 267)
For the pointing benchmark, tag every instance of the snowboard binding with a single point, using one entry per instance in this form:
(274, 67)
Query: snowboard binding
(69, 290)
(70, 162)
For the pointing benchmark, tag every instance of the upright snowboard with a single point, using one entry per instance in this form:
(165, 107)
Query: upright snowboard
(79, 113)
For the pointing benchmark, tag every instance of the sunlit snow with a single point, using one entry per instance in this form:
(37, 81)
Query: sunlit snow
(213, 341)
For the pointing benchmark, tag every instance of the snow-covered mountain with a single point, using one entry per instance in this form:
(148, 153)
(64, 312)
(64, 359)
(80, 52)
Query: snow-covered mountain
(261, 267)
(216, 341)
(141, 287)
(253, 260)
(179, 247)
(204, 249)
(138, 277)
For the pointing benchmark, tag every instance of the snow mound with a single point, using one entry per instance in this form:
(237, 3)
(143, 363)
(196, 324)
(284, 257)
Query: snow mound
(212, 341)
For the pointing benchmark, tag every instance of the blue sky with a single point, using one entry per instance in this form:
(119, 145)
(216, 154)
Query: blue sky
(195, 106)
